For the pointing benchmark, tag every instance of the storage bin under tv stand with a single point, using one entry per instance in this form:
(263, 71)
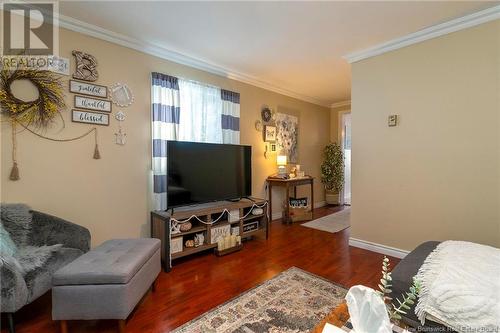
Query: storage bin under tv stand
(160, 225)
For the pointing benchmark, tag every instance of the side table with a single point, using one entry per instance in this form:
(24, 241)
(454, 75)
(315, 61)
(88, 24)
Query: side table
(288, 184)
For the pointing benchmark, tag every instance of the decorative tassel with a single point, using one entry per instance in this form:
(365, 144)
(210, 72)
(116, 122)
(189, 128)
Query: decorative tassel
(14, 173)
(97, 155)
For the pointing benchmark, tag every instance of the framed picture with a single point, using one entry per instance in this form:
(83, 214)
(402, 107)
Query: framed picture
(94, 104)
(269, 133)
(90, 89)
(272, 147)
(87, 117)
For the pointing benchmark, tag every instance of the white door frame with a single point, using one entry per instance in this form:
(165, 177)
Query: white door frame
(341, 136)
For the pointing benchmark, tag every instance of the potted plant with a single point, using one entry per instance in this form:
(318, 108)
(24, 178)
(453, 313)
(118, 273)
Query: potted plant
(332, 172)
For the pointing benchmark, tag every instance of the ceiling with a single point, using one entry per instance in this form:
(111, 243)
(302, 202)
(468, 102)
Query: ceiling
(296, 46)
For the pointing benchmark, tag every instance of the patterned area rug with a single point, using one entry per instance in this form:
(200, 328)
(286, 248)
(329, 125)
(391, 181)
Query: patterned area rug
(291, 302)
(332, 223)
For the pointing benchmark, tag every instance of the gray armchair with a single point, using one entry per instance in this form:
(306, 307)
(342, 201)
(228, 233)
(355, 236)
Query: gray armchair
(17, 289)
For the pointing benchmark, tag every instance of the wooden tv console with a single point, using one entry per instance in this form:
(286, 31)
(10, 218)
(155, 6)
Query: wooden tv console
(161, 226)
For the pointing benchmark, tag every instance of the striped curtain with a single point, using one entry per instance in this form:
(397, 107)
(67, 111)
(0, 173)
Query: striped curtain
(230, 118)
(209, 114)
(165, 109)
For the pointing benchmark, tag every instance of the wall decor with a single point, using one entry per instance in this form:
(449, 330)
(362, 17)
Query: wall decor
(94, 104)
(270, 133)
(288, 135)
(88, 117)
(266, 114)
(90, 89)
(258, 125)
(120, 135)
(271, 147)
(86, 67)
(392, 120)
(121, 94)
(38, 113)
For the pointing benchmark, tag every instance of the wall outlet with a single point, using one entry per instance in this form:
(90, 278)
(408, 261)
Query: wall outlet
(392, 120)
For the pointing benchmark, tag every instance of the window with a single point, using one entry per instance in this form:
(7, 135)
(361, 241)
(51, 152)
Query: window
(188, 111)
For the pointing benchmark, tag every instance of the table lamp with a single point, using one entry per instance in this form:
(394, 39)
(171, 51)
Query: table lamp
(281, 161)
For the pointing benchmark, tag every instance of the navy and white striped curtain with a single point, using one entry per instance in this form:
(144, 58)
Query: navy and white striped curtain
(165, 110)
(198, 113)
(230, 119)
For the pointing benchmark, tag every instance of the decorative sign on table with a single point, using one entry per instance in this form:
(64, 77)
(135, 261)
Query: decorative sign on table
(219, 232)
(90, 89)
(95, 104)
(88, 117)
(298, 202)
(249, 227)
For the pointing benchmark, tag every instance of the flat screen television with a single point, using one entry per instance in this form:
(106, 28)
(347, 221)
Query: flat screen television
(204, 172)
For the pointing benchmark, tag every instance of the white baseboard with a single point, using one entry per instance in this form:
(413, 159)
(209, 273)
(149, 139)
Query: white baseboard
(277, 215)
(379, 248)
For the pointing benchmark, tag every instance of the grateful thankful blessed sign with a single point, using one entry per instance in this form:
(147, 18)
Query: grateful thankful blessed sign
(89, 103)
(90, 117)
(90, 89)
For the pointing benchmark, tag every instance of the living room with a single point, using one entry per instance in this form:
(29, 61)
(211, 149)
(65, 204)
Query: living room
(86, 172)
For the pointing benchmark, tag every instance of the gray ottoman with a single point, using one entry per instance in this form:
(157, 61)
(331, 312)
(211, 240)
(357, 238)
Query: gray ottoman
(107, 282)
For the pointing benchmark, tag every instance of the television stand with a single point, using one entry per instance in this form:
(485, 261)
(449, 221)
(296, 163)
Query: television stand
(173, 245)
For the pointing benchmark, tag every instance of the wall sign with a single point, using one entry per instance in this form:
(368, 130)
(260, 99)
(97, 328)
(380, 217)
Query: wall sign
(95, 104)
(90, 89)
(88, 117)
(86, 66)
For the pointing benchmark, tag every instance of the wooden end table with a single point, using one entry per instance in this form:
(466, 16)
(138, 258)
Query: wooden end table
(337, 317)
(288, 184)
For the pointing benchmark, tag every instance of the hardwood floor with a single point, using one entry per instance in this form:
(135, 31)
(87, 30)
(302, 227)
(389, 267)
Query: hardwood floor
(198, 284)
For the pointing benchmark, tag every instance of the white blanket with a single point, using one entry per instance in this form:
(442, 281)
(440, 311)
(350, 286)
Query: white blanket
(461, 287)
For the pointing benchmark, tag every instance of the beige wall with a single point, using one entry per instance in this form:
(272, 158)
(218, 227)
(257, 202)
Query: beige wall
(436, 176)
(111, 196)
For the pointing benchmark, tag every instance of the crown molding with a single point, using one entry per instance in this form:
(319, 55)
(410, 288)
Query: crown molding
(468, 21)
(340, 104)
(183, 59)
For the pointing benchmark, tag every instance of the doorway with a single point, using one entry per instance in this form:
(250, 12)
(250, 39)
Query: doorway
(345, 142)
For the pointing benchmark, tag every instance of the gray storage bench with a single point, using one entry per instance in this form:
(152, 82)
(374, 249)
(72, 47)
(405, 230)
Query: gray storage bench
(107, 282)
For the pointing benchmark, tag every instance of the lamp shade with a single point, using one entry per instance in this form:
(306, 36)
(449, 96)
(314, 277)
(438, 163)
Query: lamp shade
(281, 160)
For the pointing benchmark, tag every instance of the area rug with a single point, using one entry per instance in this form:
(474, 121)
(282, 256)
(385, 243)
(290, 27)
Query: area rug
(332, 223)
(294, 301)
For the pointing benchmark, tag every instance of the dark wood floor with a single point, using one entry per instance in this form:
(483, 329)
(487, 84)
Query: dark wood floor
(200, 283)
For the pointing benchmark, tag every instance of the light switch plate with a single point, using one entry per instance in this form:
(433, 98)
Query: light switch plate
(393, 120)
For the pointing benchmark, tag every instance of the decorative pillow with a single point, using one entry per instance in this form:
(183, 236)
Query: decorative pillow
(16, 219)
(7, 246)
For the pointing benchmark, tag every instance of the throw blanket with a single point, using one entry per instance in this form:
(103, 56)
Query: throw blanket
(461, 287)
(17, 222)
